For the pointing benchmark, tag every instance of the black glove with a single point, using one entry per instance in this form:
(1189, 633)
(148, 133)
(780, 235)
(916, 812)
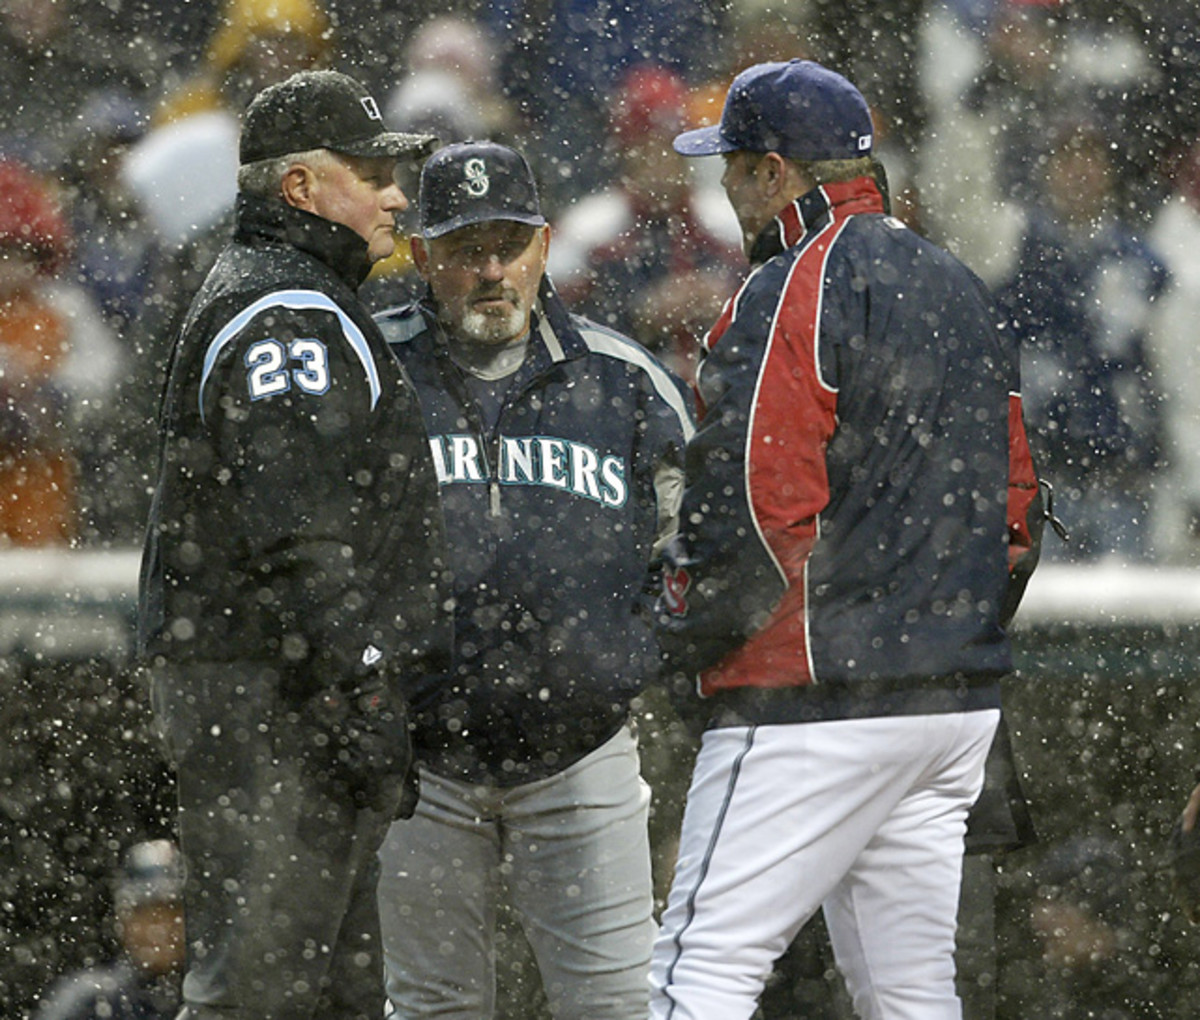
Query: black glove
(359, 740)
(1183, 867)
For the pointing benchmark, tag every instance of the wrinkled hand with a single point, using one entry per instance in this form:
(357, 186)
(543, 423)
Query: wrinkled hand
(359, 739)
(1183, 859)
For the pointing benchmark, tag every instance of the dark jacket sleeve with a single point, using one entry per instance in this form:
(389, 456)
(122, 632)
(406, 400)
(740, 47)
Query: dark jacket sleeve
(283, 402)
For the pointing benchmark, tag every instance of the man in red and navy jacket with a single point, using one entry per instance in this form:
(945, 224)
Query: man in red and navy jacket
(855, 492)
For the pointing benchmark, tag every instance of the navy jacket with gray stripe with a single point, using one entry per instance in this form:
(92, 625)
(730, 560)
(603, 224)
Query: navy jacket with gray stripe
(553, 519)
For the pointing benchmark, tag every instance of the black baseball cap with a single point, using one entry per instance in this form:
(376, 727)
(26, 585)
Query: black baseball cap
(473, 182)
(796, 108)
(321, 110)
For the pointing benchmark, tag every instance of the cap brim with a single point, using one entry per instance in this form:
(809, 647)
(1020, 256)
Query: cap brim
(705, 141)
(391, 143)
(479, 216)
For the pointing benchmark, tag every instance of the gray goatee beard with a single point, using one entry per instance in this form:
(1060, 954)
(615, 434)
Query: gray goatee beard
(494, 327)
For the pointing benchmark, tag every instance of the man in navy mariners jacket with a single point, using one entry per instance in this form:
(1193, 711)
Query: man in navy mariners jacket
(835, 593)
(559, 449)
(292, 575)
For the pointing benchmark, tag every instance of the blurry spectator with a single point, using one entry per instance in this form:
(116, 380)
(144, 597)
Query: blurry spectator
(653, 256)
(1173, 28)
(996, 77)
(53, 55)
(175, 275)
(143, 982)
(175, 34)
(874, 44)
(1080, 303)
(1083, 918)
(985, 148)
(950, 54)
(758, 31)
(1108, 63)
(373, 35)
(257, 42)
(113, 241)
(57, 364)
(437, 102)
(183, 175)
(451, 88)
(565, 57)
(1175, 235)
(1018, 90)
(116, 250)
(183, 170)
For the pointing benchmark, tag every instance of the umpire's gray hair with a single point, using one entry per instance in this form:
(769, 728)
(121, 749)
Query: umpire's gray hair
(262, 178)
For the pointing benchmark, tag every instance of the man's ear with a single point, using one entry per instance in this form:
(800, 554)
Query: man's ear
(771, 173)
(780, 177)
(420, 255)
(296, 186)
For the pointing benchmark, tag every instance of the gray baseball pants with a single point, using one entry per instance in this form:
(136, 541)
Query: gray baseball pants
(572, 854)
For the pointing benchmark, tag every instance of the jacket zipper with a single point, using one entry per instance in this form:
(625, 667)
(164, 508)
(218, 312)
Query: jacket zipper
(489, 446)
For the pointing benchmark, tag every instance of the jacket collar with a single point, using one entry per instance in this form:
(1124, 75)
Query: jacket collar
(333, 244)
(813, 211)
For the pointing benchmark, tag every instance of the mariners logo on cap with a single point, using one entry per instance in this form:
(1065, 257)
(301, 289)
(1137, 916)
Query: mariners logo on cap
(473, 182)
(475, 178)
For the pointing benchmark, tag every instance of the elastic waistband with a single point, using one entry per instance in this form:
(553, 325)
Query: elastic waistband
(857, 700)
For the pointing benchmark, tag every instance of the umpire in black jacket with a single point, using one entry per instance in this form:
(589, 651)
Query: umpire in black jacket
(292, 574)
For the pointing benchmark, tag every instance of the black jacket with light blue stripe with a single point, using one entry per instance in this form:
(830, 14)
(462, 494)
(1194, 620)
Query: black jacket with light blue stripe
(296, 519)
(552, 522)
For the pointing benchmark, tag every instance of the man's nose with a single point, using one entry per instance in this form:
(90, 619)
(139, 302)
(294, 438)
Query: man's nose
(394, 199)
(493, 268)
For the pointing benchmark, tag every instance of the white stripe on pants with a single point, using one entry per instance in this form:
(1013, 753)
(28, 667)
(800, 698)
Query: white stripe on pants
(865, 816)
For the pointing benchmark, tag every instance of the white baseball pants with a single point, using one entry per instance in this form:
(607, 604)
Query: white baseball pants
(864, 817)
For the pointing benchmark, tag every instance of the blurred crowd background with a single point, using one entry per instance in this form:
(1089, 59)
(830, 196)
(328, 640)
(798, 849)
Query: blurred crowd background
(1054, 146)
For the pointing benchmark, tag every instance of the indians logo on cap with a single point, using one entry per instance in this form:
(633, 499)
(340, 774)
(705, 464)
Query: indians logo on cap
(372, 108)
(476, 181)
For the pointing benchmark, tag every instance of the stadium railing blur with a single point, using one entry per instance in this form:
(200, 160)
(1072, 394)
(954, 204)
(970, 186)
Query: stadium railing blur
(1104, 711)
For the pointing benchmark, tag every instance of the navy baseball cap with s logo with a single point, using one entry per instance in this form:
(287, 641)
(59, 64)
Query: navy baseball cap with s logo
(796, 108)
(473, 182)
